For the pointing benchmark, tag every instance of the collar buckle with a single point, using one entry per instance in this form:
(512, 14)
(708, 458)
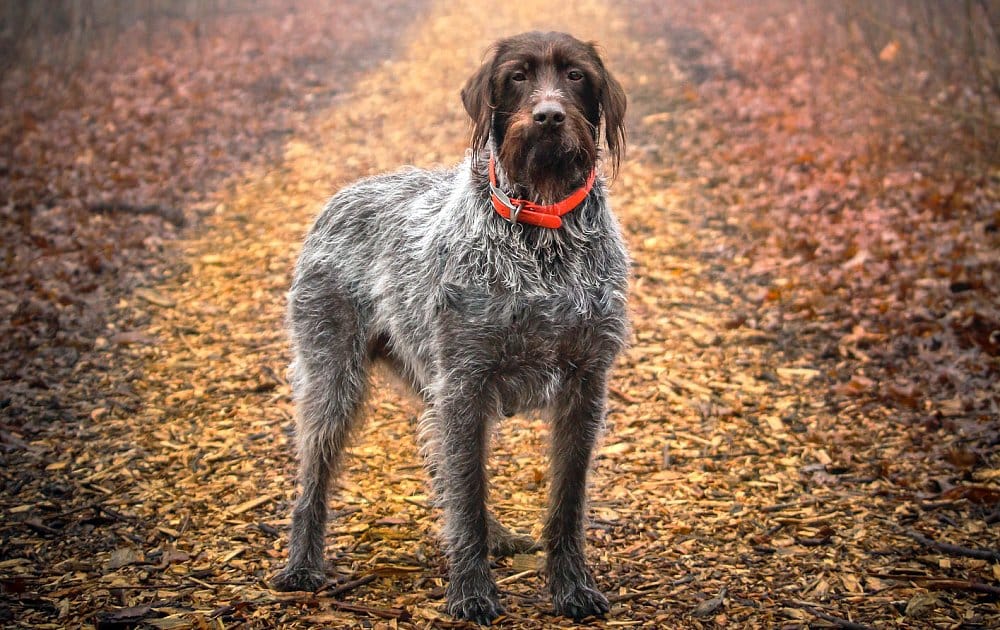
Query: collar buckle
(515, 211)
(519, 211)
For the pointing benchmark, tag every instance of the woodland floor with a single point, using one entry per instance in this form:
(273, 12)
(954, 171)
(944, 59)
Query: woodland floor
(806, 419)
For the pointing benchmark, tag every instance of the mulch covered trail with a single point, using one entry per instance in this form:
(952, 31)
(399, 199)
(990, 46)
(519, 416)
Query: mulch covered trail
(769, 461)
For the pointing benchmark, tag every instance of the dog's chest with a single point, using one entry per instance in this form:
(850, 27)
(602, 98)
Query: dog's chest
(547, 329)
(539, 310)
(533, 343)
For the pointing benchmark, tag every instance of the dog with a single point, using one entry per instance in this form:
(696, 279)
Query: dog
(492, 288)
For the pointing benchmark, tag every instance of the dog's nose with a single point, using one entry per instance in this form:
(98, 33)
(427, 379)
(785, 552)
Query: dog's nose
(549, 114)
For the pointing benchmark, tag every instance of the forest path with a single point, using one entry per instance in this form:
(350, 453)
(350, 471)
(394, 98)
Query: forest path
(718, 497)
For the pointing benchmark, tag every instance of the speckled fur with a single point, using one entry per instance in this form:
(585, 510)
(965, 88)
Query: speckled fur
(484, 319)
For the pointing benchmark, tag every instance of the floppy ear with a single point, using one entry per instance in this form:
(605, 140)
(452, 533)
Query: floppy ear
(613, 107)
(477, 96)
(611, 97)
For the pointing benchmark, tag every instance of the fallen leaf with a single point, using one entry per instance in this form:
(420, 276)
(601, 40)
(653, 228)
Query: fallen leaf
(889, 52)
(154, 297)
(708, 607)
(920, 605)
(124, 556)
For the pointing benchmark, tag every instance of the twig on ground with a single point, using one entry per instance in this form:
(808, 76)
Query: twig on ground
(167, 213)
(307, 597)
(991, 555)
(40, 527)
(385, 613)
(942, 584)
(170, 586)
(840, 622)
(614, 599)
(334, 591)
(517, 576)
(945, 584)
(623, 395)
(777, 507)
(115, 514)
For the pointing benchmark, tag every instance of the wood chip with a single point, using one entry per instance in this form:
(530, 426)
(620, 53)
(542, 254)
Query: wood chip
(246, 506)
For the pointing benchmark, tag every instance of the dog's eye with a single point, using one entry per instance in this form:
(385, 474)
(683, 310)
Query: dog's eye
(518, 76)
(574, 75)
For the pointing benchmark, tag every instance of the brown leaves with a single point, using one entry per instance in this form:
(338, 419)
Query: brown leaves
(981, 495)
(889, 52)
(124, 556)
(882, 370)
(813, 364)
(710, 606)
(107, 159)
(126, 617)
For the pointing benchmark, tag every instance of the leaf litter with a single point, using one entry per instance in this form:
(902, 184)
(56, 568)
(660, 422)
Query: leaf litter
(802, 433)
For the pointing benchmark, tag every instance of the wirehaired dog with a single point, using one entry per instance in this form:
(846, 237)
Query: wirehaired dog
(492, 288)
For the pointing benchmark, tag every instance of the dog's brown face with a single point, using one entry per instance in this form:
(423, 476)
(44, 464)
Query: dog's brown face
(541, 97)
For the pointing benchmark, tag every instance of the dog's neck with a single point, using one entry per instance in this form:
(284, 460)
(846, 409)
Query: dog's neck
(542, 188)
(542, 215)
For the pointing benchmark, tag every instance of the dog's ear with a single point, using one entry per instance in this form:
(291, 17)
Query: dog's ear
(477, 96)
(613, 106)
(612, 100)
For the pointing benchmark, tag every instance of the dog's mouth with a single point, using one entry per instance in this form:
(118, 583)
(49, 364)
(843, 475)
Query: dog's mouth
(548, 161)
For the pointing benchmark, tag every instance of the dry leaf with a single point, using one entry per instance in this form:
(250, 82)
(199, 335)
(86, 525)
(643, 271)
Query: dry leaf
(777, 251)
(921, 605)
(889, 52)
(124, 556)
(709, 607)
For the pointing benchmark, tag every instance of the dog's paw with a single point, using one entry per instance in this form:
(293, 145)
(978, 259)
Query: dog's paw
(579, 601)
(474, 599)
(298, 580)
(478, 609)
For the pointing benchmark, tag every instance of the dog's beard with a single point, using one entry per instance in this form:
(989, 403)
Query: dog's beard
(548, 165)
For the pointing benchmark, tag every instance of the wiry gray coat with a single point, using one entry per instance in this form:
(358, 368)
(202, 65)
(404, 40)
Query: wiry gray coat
(484, 319)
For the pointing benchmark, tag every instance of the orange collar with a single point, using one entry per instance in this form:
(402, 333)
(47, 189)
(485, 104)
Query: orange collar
(519, 210)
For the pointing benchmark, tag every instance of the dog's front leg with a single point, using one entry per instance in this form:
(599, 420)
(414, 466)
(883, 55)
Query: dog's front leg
(464, 422)
(579, 416)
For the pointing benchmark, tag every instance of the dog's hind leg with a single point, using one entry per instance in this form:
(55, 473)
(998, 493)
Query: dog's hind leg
(504, 542)
(330, 378)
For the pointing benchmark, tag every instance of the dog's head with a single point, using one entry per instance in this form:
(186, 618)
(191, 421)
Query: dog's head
(541, 97)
